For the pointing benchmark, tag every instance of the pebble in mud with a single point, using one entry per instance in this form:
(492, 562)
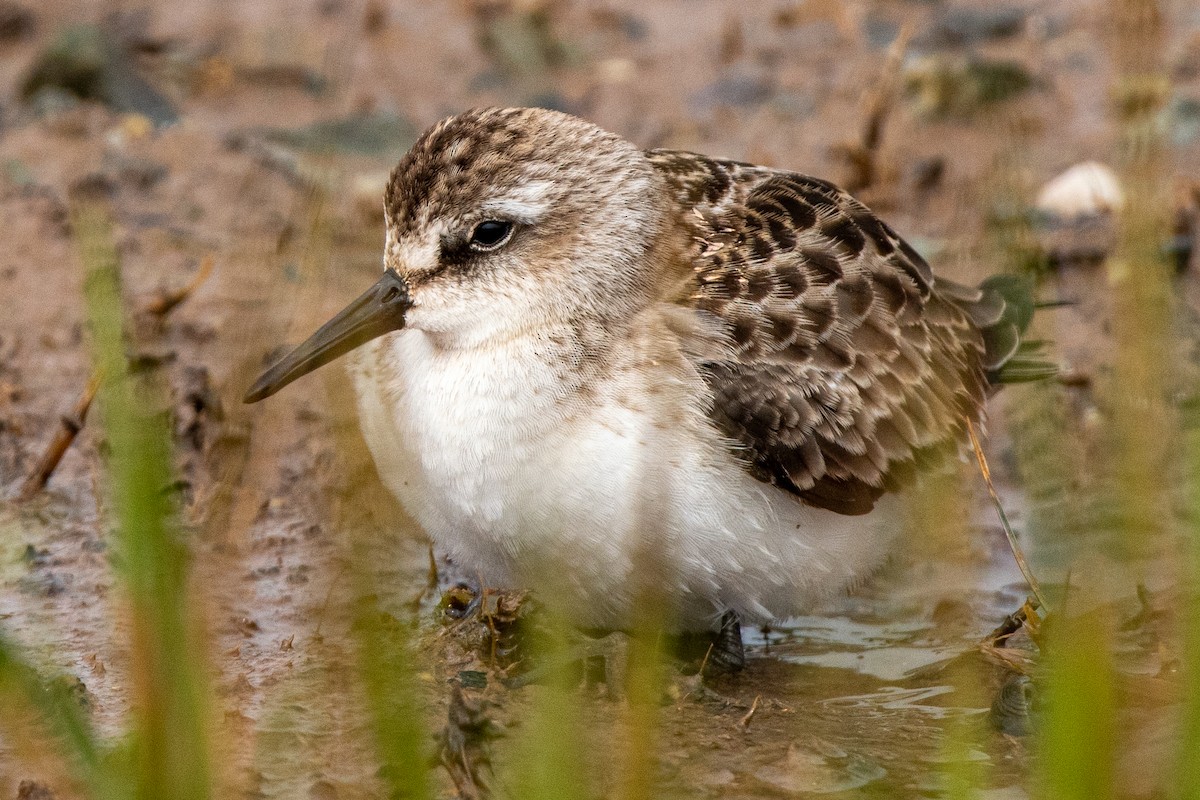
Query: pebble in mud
(16, 22)
(962, 27)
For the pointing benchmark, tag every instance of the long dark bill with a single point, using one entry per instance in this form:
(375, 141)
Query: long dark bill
(377, 311)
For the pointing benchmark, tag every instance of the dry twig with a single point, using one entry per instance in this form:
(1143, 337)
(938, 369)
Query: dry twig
(159, 306)
(1013, 545)
(1024, 617)
(995, 644)
(166, 300)
(745, 720)
(464, 746)
(862, 156)
(71, 425)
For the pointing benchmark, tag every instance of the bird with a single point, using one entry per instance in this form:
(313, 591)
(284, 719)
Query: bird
(588, 364)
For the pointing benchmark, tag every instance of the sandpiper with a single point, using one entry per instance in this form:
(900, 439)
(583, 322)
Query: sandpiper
(585, 359)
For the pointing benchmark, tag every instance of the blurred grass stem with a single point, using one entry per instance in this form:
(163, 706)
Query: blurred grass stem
(170, 719)
(1013, 544)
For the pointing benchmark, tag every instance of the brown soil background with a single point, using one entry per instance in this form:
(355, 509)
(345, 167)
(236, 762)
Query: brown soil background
(294, 237)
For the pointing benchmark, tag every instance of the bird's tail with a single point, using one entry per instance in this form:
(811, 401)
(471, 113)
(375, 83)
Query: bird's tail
(1002, 307)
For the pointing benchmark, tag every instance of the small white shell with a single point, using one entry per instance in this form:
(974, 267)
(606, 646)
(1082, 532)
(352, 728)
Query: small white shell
(1085, 190)
(617, 70)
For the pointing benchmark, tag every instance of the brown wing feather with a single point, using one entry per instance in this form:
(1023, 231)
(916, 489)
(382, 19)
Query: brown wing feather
(851, 365)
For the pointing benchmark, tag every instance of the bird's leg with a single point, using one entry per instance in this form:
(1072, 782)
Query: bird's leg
(433, 576)
(727, 654)
(432, 579)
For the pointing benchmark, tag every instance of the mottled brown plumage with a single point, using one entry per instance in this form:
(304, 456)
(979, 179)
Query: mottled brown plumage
(852, 364)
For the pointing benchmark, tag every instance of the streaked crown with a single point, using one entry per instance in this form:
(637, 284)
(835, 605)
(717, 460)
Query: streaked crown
(497, 200)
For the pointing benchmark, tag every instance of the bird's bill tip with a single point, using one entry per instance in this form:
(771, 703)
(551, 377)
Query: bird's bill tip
(379, 310)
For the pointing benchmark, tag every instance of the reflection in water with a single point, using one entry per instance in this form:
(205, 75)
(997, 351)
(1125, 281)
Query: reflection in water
(895, 698)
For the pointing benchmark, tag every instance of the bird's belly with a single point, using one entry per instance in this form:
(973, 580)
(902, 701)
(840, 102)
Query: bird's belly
(527, 497)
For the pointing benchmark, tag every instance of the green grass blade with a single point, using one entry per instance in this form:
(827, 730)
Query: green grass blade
(1077, 743)
(386, 669)
(645, 687)
(170, 737)
(962, 775)
(22, 688)
(1188, 755)
(549, 763)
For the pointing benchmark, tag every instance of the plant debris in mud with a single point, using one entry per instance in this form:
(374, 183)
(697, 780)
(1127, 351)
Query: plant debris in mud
(464, 745)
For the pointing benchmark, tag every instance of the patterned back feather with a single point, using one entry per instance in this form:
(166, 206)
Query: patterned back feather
(852, 365)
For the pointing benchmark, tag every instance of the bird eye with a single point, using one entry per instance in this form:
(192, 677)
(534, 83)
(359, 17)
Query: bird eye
(491, 234)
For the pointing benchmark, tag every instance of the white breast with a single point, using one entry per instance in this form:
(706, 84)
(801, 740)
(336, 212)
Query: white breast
(527, 485)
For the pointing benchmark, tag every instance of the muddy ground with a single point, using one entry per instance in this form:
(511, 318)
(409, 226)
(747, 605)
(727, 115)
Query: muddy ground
(853, 697)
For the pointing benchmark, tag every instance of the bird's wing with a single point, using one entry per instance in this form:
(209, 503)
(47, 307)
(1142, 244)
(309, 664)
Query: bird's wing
(847, 364)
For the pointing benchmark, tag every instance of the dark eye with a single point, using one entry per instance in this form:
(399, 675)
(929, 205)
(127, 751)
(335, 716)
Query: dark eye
(490, 234)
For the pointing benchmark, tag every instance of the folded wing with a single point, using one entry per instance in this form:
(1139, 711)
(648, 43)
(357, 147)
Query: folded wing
(848, 366)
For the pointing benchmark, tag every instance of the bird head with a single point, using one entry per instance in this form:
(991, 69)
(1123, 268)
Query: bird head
(500, 223)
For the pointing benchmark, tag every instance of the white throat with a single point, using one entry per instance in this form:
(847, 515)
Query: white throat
(513, 467)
